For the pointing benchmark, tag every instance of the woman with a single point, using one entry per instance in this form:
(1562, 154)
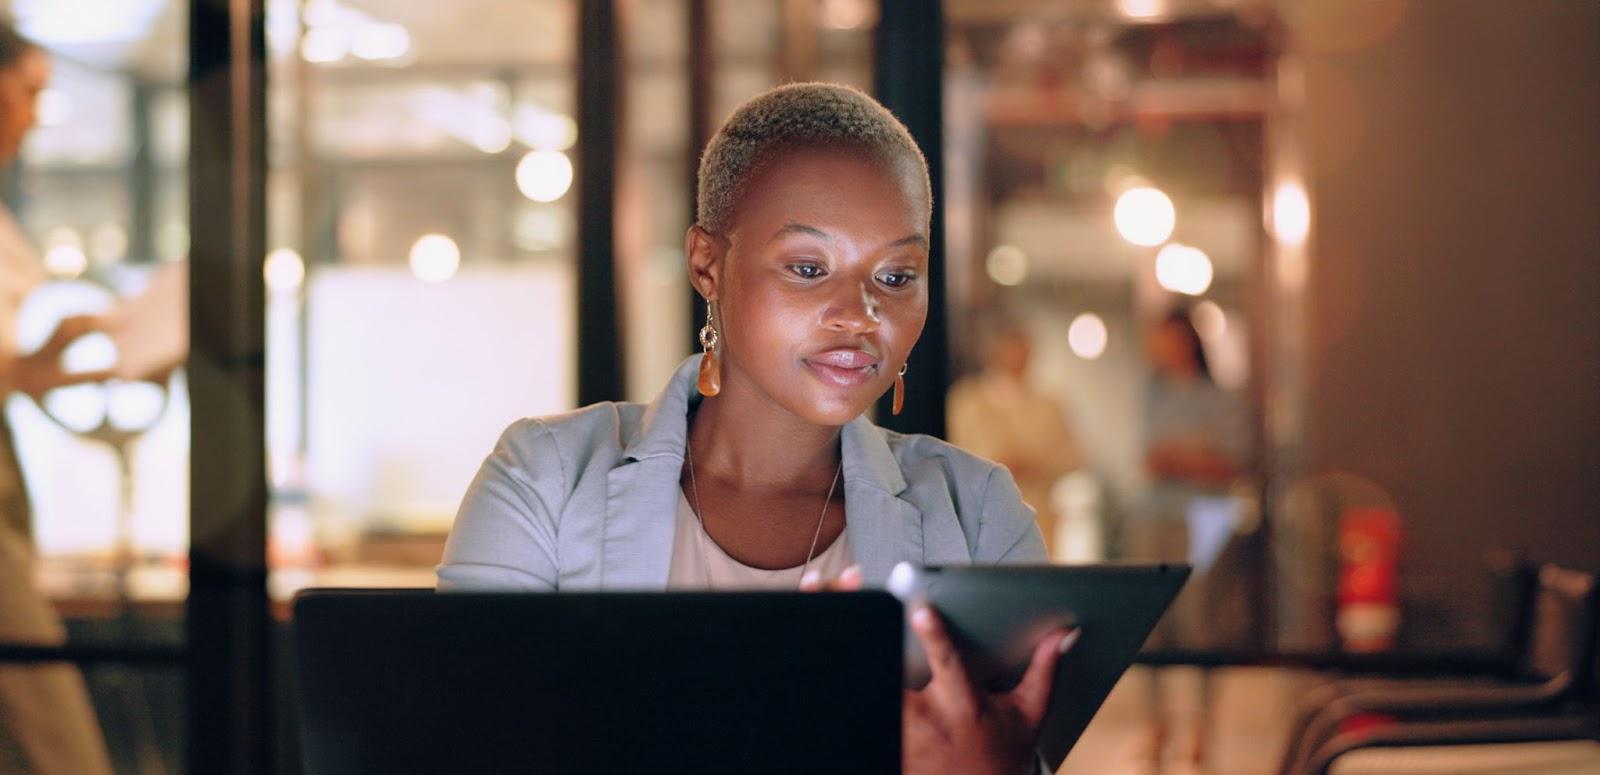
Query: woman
(1194, 443)
(754, 467)
(46, 722)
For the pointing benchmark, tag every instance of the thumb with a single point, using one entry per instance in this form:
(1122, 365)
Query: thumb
(1032, 694)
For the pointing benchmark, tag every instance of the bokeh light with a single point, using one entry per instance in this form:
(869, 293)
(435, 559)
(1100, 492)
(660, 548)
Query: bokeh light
(543, 130)
(544, 176)
(1007, 265)
(1087, 336)
(380, 42)
(1142, 9)
(848, 14)
(1145, 216)
(65, 261)
(1184, 269)
(284, 270)
(108, 242)
(435, 258)
(325, 45)
(1291, 214)
(492, 136)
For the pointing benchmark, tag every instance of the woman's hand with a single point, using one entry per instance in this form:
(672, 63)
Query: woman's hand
(848, 580)
(40, 372)
(949, 726)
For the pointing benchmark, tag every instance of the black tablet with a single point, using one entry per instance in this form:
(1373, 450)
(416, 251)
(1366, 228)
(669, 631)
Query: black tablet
(996, 615)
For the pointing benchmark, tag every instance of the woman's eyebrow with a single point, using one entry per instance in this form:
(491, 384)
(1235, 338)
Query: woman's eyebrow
(800, 228)
(914, 239)
(812, 231)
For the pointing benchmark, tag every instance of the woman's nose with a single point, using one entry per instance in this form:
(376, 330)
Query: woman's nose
(854, 311)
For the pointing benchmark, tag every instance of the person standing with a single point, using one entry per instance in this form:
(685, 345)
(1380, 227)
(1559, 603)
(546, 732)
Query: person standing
(996, 414)
(1195, 445)
(47, 723)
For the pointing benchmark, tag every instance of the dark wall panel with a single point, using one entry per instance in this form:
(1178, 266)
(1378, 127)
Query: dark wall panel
(1455, 315)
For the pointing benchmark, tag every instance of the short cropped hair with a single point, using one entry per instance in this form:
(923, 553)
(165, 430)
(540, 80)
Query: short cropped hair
(798, 115)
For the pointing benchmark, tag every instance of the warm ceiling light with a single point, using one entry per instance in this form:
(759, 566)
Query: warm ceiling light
(1145, 216)
(1184, 269)
(544, 176)
(1087, 336)
(435, 258)
(1291, 214)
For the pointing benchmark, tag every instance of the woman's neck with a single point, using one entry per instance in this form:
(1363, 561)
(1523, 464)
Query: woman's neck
(746, 441)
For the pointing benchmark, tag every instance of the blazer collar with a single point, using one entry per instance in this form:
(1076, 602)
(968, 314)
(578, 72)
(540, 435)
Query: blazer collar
(642, 495)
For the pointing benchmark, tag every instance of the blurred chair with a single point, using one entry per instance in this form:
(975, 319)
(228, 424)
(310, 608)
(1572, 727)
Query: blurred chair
(1553, 680)
(1550, 744)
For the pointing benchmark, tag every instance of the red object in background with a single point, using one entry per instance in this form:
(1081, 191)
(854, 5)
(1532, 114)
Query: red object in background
(1369, 578)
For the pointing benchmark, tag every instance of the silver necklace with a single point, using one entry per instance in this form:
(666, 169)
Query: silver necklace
(826, 502)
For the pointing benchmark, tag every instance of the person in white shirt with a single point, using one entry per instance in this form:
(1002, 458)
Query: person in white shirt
(47, 724)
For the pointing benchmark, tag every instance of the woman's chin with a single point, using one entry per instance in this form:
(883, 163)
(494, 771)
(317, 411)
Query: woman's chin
(833, 410)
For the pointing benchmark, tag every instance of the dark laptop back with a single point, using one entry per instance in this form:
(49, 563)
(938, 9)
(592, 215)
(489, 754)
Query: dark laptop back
(412, 681)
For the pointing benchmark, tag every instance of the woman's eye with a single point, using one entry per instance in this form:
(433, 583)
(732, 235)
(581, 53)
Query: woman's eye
(896, 279)
(808, 271)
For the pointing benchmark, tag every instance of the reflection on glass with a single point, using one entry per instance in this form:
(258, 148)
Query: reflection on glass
(94, 438)
(420, 279)
(98, 190)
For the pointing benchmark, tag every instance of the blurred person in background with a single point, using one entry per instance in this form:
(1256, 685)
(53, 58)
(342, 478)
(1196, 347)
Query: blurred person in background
(47, 723)
(996, 414)
(1195, 441)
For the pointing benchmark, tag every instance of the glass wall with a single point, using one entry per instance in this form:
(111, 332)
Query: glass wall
(420, 267)
(1104, 200)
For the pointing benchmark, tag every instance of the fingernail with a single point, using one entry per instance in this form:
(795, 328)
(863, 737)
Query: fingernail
(851, 573)
(1068, 641)
(811, 577)
(921, 617)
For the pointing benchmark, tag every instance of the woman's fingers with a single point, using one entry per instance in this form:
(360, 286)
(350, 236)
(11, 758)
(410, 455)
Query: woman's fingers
(1032, 695)
(950, 687)
(69, 330)
(848, 580)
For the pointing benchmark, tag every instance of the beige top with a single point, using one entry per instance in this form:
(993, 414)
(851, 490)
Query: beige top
(698, 563)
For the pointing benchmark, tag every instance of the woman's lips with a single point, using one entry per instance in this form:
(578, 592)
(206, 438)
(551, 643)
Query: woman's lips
(844, 368)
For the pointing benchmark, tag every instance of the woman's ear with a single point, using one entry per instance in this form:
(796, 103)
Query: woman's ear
(705, 252)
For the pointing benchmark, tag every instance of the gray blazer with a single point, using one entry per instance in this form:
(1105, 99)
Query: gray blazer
(588, 500)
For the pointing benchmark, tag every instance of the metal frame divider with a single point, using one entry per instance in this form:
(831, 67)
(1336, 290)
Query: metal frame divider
(908, 78)
(231, 702)
(600, 364)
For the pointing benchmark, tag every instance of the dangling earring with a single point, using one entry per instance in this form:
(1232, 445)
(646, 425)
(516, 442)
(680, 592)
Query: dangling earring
(900, 389)
(710, 382)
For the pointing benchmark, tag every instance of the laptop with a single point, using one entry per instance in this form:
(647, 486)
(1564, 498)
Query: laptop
(410, 681)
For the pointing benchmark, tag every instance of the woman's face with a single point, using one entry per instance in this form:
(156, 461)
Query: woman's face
(819, 282)
(20, 84)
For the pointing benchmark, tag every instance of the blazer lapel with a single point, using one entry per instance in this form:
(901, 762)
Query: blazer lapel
(884, 528)
(641, 513)
(642, 491)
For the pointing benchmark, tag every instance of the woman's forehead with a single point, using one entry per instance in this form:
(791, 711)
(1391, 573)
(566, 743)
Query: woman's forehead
(830, 190)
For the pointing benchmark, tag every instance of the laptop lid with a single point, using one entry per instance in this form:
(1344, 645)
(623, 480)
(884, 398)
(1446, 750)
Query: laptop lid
(412, 681)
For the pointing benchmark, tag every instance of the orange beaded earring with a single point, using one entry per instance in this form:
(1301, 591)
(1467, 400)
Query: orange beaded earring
(900, 389)
(710, 382)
